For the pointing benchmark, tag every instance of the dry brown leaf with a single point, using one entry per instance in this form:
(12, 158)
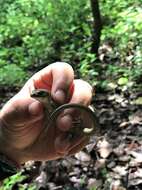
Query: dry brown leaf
(104, 148)
(83, 157)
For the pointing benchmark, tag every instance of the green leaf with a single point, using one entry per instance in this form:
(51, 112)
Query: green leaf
(138, 101)
(122, 81)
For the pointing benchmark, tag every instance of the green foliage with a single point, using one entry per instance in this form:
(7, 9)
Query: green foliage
(93, 188)
(38, 32)
(122, 29)
(34, 33)
(126, 32)
(25, 187)
(85, 66)
(9, 182)
(12, 75)
(17, 179)
(138, 101)
(104, 172)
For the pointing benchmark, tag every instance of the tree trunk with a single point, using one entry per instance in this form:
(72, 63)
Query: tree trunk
(97, 26)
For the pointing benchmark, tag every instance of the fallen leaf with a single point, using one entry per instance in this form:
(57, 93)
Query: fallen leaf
(83, 157)
(104, 148)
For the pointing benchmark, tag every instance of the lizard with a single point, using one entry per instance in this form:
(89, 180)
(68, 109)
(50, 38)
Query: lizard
(53, 110)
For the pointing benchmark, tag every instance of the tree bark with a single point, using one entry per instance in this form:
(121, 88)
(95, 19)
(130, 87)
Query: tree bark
(97, 26)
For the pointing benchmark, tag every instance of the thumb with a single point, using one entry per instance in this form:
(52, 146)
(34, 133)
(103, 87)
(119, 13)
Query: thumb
(19, 111)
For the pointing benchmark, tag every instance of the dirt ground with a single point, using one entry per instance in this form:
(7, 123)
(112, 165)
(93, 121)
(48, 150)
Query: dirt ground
(112, 160)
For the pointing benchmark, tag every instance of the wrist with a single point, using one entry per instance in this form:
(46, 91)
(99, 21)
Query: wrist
(5, 146)
(8, 164)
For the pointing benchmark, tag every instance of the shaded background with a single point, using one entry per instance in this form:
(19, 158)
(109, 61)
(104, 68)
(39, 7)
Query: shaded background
(103, 43)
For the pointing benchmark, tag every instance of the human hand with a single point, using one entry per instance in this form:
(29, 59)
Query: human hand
(22, 118)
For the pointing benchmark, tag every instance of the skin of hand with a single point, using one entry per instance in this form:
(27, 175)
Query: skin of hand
(22, 137)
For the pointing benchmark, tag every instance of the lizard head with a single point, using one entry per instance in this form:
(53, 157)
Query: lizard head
(41, 95)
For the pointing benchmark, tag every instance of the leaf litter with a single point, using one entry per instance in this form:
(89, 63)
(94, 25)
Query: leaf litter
(113, 161)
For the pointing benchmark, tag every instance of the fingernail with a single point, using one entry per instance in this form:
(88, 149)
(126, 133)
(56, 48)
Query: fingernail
(60, 96)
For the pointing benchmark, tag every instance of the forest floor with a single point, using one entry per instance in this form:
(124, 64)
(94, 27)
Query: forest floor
(114, 162)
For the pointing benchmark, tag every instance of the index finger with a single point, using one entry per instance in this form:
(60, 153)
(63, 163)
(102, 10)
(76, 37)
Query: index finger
(57, 78)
